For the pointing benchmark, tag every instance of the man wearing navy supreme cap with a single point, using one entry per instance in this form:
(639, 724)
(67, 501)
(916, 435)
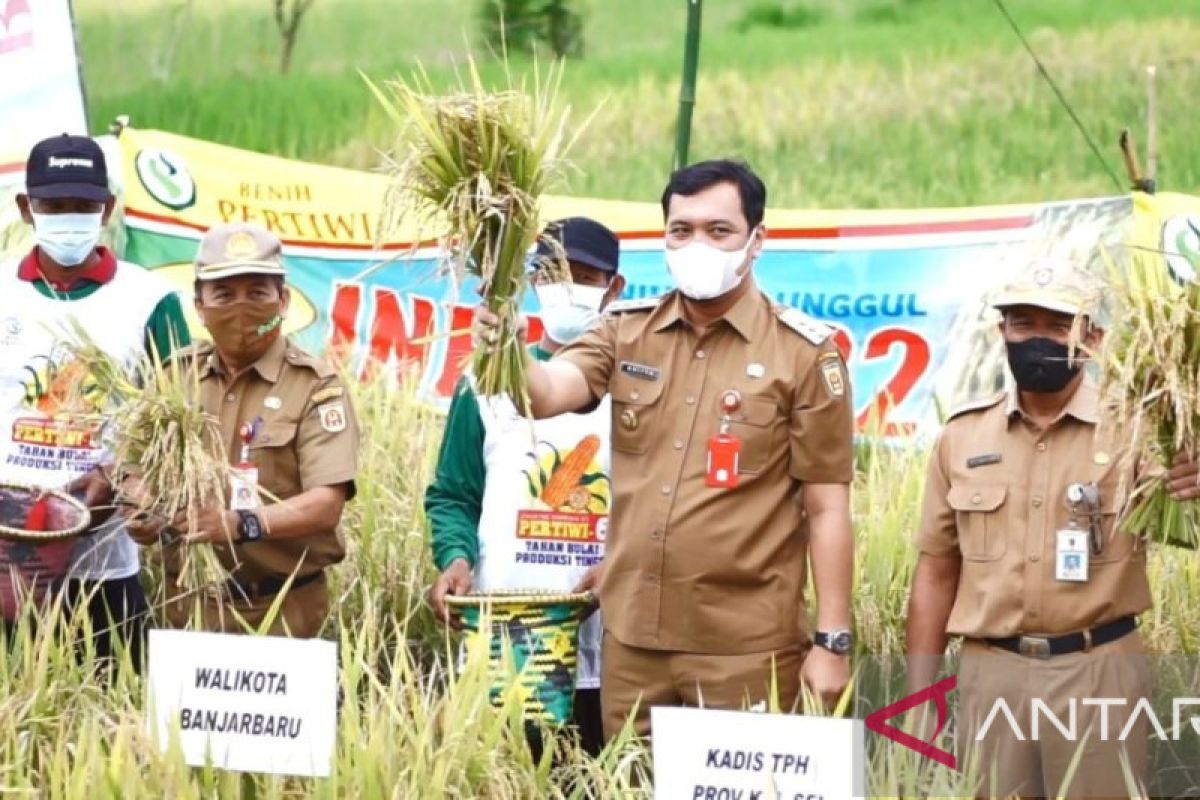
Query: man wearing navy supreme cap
(46, 437)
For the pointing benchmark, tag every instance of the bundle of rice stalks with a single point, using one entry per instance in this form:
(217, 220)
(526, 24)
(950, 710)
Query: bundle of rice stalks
(474, 163)
(157, 433)
(1151, 364)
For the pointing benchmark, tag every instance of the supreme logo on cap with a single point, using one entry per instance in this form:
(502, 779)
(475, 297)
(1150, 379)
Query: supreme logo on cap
(62, 162)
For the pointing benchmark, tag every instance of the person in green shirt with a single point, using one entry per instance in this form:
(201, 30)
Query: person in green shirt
(493, 485)
(68, 279)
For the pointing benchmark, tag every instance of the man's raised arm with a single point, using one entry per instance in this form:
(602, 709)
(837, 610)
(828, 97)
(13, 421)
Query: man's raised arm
(557, 387)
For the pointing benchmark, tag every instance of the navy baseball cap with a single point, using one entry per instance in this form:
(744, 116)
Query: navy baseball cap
(67, 167)
(583, 240)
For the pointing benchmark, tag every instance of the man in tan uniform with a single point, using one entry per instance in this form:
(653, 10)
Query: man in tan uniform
(1020, 556)
(731, 418)
(289, 428)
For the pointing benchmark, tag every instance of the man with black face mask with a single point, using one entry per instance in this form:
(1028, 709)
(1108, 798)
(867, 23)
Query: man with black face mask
(1020, 555)
(289, 428)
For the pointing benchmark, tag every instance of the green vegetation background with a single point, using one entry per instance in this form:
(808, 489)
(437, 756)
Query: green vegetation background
(857, 103)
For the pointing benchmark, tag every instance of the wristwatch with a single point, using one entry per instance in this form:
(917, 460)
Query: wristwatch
(838, 642)
(250, 527)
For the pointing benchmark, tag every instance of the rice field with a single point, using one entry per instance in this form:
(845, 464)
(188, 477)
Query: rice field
(874, 104)
(408, 728)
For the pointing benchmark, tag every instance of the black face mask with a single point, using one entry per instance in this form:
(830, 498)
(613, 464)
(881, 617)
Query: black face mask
(1040, 365)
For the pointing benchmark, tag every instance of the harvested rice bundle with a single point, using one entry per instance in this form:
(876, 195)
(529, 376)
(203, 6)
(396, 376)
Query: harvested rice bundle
(474, 163)
(158, 433)
(1151, 364)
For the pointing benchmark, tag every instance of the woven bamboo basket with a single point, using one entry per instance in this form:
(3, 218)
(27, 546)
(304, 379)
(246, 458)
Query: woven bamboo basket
(32, 562)
(534, 641)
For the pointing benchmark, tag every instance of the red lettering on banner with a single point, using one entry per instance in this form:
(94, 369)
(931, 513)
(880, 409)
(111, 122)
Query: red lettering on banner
(844, 342)
(917, 356)
(390, 334)
(536, 329)
(343, 319)
(458, 349)
(394, 334)
(10, 11)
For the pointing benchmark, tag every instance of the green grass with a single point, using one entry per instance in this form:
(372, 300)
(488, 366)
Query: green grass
(902, 103)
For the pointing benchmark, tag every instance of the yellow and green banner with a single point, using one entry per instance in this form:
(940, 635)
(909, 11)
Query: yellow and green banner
(904, 289)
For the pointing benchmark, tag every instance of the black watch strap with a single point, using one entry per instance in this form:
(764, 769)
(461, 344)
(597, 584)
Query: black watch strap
(250, 528)
(839, 642)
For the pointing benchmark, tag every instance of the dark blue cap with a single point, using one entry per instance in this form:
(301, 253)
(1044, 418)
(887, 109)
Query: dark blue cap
(584, 240)
(67, 167)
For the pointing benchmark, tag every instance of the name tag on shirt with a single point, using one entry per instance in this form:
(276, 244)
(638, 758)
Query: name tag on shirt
(243, 488)
(1071, 556)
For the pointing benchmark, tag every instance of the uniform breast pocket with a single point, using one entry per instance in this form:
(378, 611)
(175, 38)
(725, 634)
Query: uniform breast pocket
(980, 515)
(274, 454)
(755, 423)
(1115, 544)
(636, 407)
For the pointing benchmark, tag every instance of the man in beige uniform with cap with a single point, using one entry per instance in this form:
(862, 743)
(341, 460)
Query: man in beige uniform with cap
(731, 420)
(289, 427)
(1019, 555)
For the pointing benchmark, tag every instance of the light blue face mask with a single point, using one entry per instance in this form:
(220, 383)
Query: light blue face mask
(569, 310)
(68, 239)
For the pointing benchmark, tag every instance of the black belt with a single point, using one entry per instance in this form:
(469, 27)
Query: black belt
(1046, 646)
(267, 587)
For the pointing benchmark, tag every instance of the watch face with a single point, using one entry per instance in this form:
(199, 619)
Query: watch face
(839, 642)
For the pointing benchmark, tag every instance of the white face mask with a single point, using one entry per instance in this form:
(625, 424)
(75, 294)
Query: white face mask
(703, 272)
(67, 238)
(568, 309)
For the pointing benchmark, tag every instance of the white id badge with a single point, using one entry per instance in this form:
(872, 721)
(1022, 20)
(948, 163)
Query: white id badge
(1071, 556)
(243, 489)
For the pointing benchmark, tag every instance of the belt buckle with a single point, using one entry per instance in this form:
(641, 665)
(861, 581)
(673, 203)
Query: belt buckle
(1034, 646)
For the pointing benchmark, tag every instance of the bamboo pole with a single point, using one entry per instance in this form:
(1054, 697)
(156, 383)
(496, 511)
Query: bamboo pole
(1151, 125)
(687, 91)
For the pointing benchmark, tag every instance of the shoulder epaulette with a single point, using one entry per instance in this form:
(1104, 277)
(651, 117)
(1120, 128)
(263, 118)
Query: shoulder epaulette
(635, 304)
(976, 405)
(299, 358)
(816, 332)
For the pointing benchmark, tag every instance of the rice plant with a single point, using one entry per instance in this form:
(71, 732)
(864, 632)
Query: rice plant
(1151, 367)
(473, 165)
(409, 726)
(168, 452)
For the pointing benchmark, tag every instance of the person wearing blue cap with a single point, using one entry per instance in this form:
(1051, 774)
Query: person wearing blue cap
(68, 278)
(492, 490)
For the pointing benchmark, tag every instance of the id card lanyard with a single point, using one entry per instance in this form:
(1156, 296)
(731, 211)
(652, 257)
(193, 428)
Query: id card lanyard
(243, 478)
(724, 448)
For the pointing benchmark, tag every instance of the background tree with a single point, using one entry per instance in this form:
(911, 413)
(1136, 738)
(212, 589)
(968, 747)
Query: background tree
(523, 25)
(288, 14)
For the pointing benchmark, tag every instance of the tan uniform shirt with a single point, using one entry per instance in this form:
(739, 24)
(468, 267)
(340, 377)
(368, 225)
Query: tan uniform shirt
(307, 436)
(996, 495)
(694, 568)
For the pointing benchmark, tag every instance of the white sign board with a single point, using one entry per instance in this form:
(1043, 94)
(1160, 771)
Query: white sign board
(246, 703)
(739, 755)
(40, 94)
